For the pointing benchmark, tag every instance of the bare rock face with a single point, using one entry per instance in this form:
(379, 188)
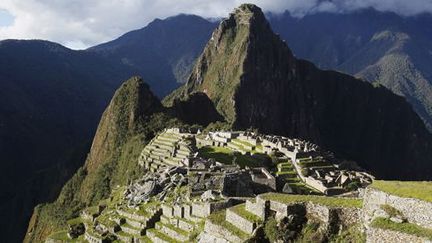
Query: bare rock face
(254, 80)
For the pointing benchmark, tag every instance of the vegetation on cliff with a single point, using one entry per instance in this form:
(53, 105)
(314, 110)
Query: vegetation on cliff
(133, 117)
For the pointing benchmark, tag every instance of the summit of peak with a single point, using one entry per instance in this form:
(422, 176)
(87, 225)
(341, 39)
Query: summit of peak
(249, 7)
(245, 13)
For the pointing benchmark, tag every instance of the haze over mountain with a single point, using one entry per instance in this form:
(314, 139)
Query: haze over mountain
(52, 97)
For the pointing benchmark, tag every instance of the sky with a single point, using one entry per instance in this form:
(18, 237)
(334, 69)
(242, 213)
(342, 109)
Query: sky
(79, 24)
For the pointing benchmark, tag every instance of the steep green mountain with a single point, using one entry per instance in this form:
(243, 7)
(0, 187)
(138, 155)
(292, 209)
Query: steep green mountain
(379, 47)
(132, 118)
(254, 80)
(162, 52)
(51, 99)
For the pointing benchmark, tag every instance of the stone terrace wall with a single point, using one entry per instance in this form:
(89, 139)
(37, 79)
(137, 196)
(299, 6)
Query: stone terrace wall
(349, 216)
(220, 233)
(414, 210)
(374, 235)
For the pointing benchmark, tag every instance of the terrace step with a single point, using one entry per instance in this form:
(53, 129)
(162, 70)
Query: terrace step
(162, 142)
(172, 231)
(170, 161)
(125, 237)
(186, 225)
(232, 232)
(132, 215)
(194, 218)
(127, 228)
(242, 219)
(136, 224)
(143, 239)
(159, 237)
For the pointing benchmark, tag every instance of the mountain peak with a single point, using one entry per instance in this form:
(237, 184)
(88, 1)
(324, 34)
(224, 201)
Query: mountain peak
(245, 13)
(129, 107)
(253, 80)
(241, 45)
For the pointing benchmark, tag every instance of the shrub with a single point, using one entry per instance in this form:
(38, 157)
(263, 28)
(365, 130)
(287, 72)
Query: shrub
(391, 211)
(271, 230)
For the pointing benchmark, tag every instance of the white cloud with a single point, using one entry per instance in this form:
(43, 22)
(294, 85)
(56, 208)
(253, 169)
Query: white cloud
(82, 23)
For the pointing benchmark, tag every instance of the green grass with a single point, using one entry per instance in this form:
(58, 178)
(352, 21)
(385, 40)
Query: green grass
(241, 210)
(61, 235)
(391, 211)
(286, 173)
(162, 236)
(271, 230)
(199, 227)
(410, 189)
(243, 142)
(351, 234)
(218, 218)
(145, 239)
(408, 228)
(227, 156)
(326, 201)
(172, 227)
(74, 221)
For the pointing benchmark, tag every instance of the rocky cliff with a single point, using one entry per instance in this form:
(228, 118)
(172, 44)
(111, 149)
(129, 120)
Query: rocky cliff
(254, 80)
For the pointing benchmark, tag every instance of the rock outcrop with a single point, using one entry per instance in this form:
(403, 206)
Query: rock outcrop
(254, 80)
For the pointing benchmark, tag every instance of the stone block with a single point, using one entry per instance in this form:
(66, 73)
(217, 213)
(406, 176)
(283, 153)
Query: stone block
(178, 211)
(167, 211)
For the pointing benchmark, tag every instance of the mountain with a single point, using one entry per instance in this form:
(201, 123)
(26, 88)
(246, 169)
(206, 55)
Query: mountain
(254, 80)
(51, 99)
(250, 77)
(162, 52)
(132, 117)
(376, 46)
(380, 47)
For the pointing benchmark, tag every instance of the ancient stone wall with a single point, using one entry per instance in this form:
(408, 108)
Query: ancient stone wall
(240, 222)
(220, 232)
(414, 210)
(374, 235)
(350, 216)
(319, 212)
(258, 208)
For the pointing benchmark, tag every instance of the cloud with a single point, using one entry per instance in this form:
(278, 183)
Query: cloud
(82, 23)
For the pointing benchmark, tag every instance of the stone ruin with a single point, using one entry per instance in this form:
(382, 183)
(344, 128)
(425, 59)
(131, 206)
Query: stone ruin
(312, 166)
(155, 184)
(227, 180)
